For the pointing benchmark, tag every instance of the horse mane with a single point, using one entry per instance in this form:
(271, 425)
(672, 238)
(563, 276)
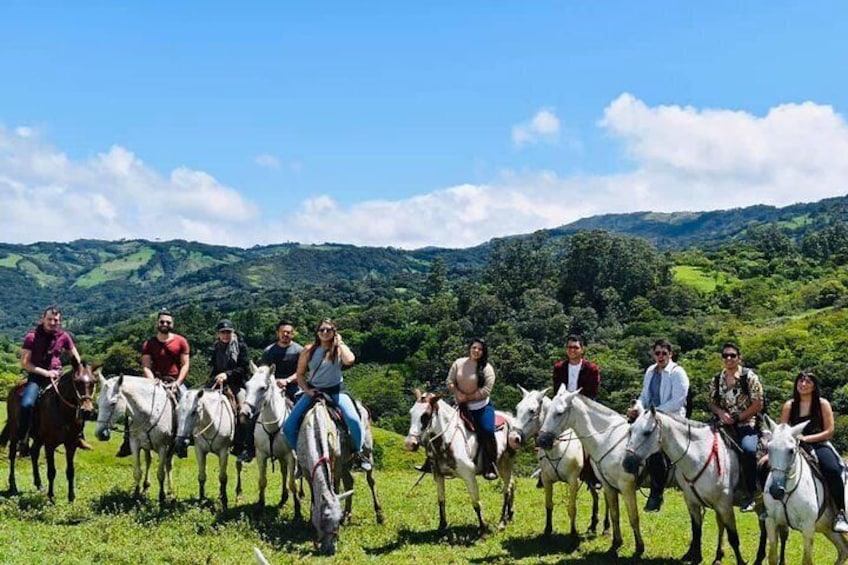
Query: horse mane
(683, 420)
(595, 405)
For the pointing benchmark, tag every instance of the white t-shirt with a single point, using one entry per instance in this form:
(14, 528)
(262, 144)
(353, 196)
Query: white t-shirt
(573, 373)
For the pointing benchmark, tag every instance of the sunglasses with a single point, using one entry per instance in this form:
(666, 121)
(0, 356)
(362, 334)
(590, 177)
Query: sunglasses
(661, 353)
(326, 330)
(166, 323)
(729, 355)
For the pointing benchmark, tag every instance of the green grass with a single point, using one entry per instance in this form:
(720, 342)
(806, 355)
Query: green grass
(10, 261)
(697, 278)
(115, 269)
(105, 525)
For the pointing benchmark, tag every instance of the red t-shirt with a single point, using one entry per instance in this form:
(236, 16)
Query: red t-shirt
(165, 358)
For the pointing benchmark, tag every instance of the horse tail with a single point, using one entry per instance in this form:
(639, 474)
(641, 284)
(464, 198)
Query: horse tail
(4, 435)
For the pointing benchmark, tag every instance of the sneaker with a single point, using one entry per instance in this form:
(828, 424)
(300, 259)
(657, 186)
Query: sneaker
(840, 524)
(491, 474)
(82, 444)
(654, 503)
(747, 505)
(125, 450)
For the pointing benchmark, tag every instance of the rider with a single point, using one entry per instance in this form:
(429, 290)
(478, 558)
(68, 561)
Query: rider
(230, 367)
(807, 405)
(283, 355)
(575, 373)
(165, 357)
(324, 359)
(665, 387)
(736, 397)
(41, 358)
(471, 380)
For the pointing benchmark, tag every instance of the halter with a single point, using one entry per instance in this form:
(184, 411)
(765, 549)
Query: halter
(789, 473)
(54, 384)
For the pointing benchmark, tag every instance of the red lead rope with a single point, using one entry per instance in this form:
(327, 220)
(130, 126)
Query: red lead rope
(713, 455)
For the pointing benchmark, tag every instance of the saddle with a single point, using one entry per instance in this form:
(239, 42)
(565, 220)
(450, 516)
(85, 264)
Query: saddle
(500, 421)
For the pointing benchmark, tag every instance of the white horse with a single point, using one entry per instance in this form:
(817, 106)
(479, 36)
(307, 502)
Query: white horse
(706, 470)
(150, 406)
(207, 416)
(796, 498)
(320, 455)
(603, 433)
(564, 462)
(452, 448)
(263, 397)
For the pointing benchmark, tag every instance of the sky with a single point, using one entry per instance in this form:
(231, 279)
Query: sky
(409, 124)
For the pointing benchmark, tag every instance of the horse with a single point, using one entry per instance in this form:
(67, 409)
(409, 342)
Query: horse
(151, 407)
(564, 462)
(603, 433)
(795, 497)
(452, 447)
(704, 467)
(62, 409)
(320, 455)
(263, 398)
(209, 418)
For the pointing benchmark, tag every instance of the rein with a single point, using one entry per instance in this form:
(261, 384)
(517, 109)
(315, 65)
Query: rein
(790, 474)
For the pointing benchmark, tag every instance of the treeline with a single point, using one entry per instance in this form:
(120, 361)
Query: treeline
(779, 298)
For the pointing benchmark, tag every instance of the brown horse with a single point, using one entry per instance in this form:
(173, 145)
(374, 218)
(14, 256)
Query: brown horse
(62, 408)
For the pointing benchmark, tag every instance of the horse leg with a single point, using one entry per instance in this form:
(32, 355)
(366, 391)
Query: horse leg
(223, 455)
(633, 515)
(474, 492)
(841, 545)
(70, 450)
(160, 473)
(50, 456)
(378, 508)
(549, 506)
(771, 535)
(347, 479)
(239, 467)
(808, 535)
(573, 485)
(201, 473)
(440, 494)
(33, 458)
(611, 497)
(784, 535)
(729, 520)
(761, 547)
(505, 471)
(136, 454)
(720, 528)
(289, 475)
(262, 466)
(696, 521)
(593, 523)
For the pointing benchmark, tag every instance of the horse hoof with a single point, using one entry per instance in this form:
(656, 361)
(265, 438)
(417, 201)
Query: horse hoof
(380, 518)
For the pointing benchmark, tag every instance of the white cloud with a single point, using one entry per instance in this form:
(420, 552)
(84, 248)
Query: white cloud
(47, 196)
(684, 158)
(544, 126)
(267, 161)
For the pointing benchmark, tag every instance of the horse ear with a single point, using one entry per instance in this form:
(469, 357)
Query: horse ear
(269, 380)
(524, 391)
(253, 367)
(200, 393)
(653, 410)
(562, 389)
(546, 391)
(345, 495)
(272, 369)
(798, 429)
(101, 378)
(120, 381)
(769, 422)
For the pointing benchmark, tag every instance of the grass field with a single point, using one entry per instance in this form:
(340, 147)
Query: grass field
(105, 525)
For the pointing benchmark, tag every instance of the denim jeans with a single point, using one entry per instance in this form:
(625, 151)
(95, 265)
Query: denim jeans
(291, 428)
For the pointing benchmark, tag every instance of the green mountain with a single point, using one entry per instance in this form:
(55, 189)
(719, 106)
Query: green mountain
(99, 282)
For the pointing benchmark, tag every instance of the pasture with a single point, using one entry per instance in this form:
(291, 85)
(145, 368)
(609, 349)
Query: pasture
(105, 525)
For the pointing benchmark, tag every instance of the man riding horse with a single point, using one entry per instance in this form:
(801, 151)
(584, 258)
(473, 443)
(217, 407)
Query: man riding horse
(41, 358)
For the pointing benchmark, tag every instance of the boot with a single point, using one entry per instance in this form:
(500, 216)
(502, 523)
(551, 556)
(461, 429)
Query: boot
(489, 447)
(426, 467)
(749, 478)
(82, 444)
(125, 450)
(249, 451)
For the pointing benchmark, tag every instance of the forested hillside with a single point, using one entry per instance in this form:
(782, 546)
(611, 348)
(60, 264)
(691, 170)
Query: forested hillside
(775, 285)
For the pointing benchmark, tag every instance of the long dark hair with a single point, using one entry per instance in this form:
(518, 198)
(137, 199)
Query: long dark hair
(484, 360)
(334, 352)
(816, 420)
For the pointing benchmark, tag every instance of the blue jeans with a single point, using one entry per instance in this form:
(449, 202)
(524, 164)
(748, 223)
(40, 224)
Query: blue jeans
(28, 400)
(345, 403)
(484, 421)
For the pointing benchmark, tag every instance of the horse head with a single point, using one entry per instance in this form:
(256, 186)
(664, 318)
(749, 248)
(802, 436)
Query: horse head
(326, 518)
(529, 414)
(644, 440)
(782, 450)
(84, 381)
(558, 417)
(254, 390)
(420, 416)
(187, 415)
(110, 405)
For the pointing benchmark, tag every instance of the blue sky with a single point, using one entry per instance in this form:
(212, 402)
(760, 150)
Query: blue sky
(394, 124)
